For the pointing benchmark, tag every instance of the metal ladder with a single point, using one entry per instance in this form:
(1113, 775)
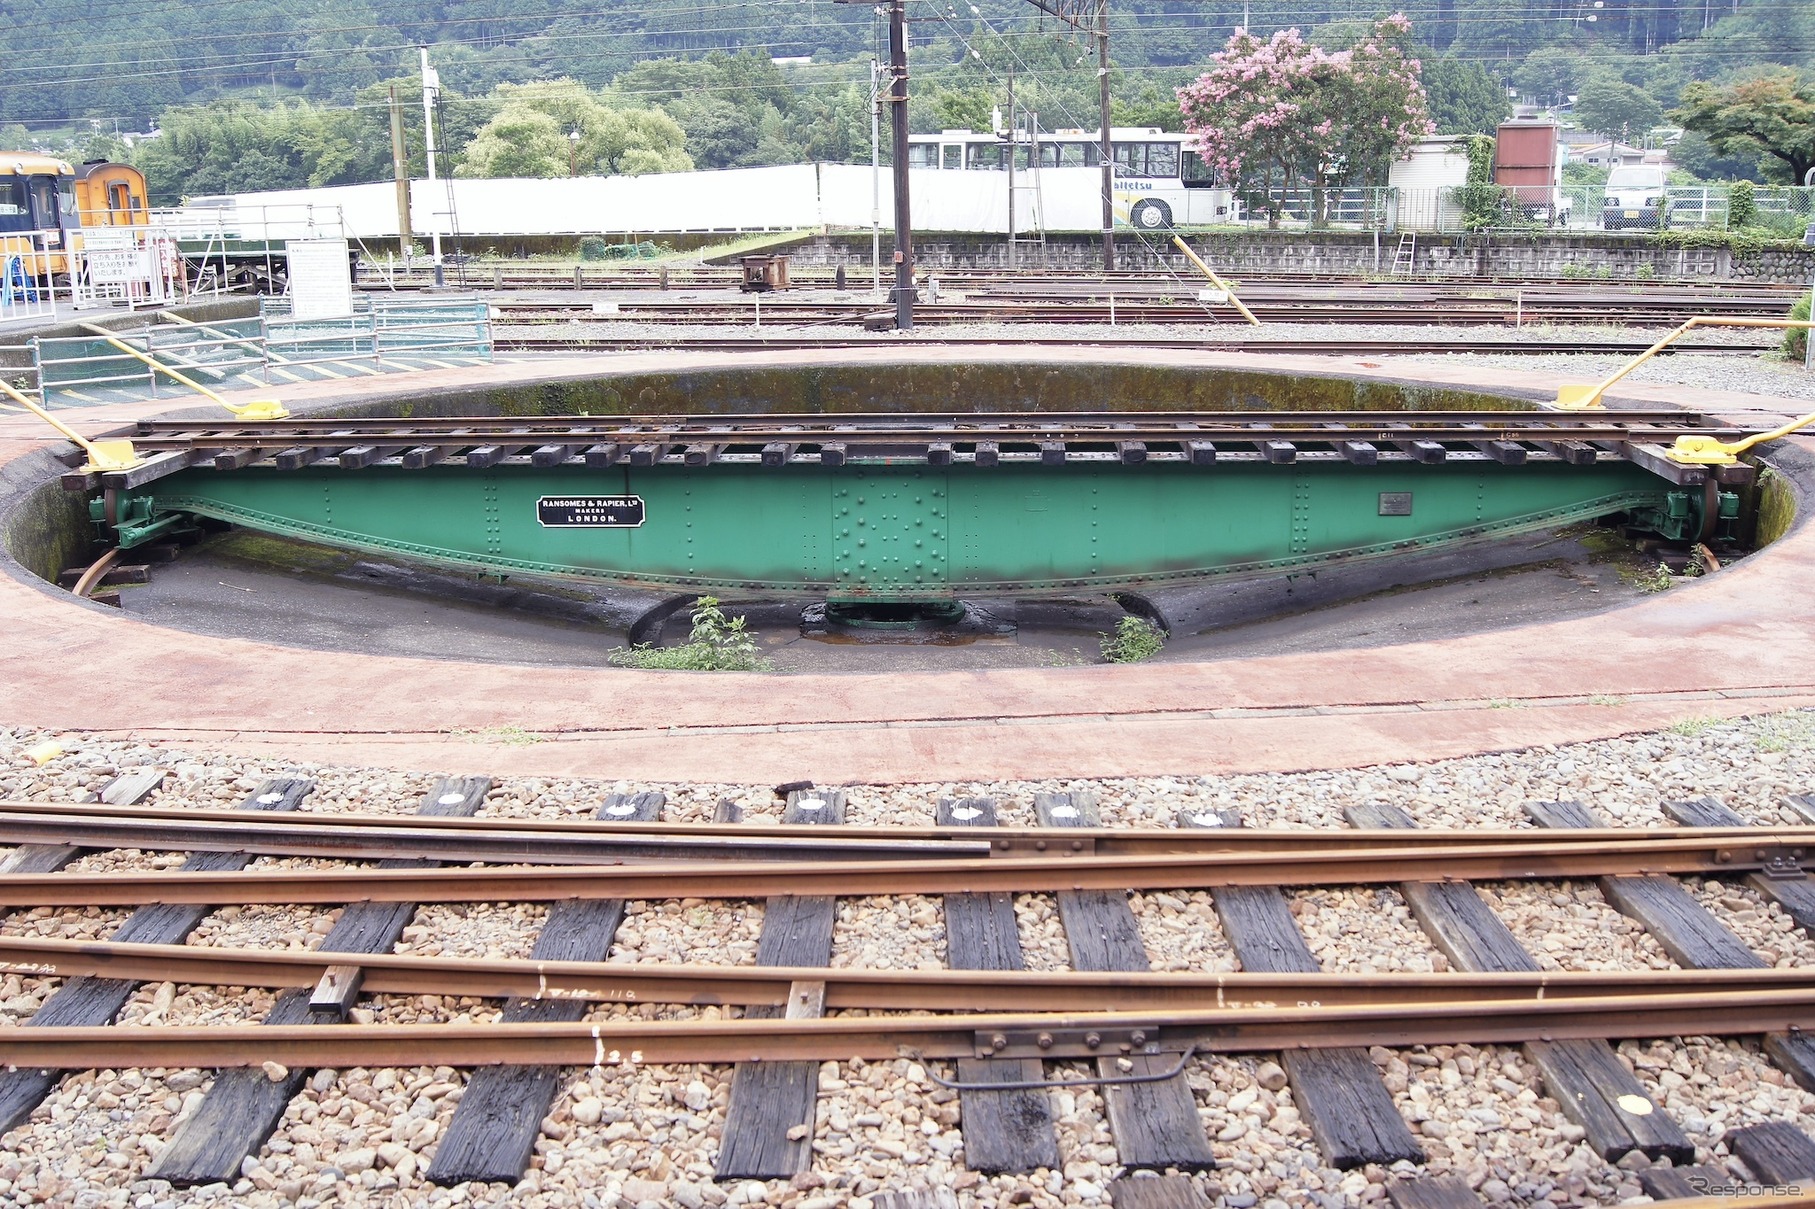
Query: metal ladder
(1405, 255)
(1037, 234)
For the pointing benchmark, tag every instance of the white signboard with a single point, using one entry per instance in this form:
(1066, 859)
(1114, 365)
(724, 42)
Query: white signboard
(321, 279)
(116, 258)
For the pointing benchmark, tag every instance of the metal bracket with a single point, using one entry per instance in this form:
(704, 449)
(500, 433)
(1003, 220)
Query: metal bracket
(1058, 844)
(1088, 1081)
(1782, 865)
(1066, 1042)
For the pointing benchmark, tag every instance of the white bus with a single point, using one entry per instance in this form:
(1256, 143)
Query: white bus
(1160, 180)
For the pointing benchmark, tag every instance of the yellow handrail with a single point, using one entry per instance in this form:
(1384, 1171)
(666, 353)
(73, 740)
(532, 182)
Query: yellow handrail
(1576, 396)
(1220, 284)
(258, 409)
(227, 337)
(102, 455)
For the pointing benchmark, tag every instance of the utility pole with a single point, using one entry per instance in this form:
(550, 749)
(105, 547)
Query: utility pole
(400, 169)
(875, 177)
(904, 227)
(1074, 14)
(431, 85)
(1011, 172)
(898, 121)
(1106, 150)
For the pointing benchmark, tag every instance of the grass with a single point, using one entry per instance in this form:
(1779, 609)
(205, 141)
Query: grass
(1692, 728)
(1783, 732)
(509, 736)
(1504, 703)
(1655, 579)
(717, 644)
(750, 243)
(1606, 699)
(1134, 640)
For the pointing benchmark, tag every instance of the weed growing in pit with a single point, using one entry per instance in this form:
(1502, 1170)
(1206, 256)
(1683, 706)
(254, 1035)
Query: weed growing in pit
(1693, 728)
(717, 644)
(1656, 579)
(1135, 639)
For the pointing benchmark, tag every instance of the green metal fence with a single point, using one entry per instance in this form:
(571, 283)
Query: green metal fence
(272, 348)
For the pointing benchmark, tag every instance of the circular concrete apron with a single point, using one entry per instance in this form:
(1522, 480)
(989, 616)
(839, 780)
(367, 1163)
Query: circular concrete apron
(1741, 641)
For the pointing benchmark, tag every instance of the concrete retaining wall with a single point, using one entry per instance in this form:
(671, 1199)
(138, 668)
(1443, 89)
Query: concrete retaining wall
(1346, 254)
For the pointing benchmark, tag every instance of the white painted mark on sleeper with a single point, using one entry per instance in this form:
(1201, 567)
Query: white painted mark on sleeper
(270, 799)
(598, 1047)
(1207, 820)
(450, 799)
(1638, 1106)
(1064, 812)
(810, 803)
(966, 813)
(620, 809)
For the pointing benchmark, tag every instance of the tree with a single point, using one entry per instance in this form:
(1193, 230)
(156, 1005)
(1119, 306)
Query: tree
(520, 141)
(719, 133)
(1772, 116)
(1696, 157)
(532, 135)
(1253, 111)
(232, 147)
(1616, 109)
(1464, 98)
(1549, 74)
(1375, 108)
(1284, 112)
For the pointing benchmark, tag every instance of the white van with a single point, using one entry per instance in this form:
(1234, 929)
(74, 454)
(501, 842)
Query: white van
(1634, 198)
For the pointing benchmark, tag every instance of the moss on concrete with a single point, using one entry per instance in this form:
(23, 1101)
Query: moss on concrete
(49, 530)
(246, 545)
(943, 387)
(1776, 507)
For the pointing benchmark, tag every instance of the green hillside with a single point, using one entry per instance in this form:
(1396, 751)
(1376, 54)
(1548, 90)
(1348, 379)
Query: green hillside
(77, 73)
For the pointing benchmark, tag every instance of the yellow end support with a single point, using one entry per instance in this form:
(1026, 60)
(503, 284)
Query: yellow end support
(1712, 451)
(1579, 396)
(1218, 282)
(103, 456)
(258, 409)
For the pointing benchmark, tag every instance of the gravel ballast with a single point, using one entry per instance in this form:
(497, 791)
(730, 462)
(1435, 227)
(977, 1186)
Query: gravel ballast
(628, 1137)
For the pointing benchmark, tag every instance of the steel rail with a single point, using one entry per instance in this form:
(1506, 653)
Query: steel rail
(280, 837)
(1106, 431)
(943, 422)
(508, 339)
(1763, 848)
(562, 841)
(635, 1041)
(872, 990)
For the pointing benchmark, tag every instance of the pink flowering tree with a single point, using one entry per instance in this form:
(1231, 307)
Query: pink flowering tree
(1286, 114)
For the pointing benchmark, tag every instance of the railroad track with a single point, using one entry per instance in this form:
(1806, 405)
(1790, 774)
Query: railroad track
(1129, 283)
(509, 338)
(981, 439)
(987, 1047)
(1451, 310)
